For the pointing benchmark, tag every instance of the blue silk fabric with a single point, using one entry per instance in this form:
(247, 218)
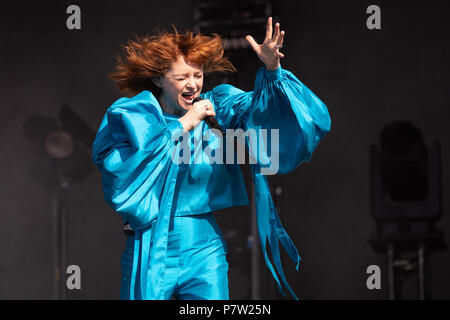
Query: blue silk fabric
(134, 150)
(196, 265)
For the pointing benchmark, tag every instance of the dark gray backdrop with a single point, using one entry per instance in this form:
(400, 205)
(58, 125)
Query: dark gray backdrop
(366, 78)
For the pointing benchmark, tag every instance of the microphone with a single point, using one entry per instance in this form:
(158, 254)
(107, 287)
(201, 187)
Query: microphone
(211, 120)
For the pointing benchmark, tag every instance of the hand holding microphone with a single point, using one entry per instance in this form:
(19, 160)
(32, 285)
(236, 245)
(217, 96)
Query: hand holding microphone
(202, 109)
(210, 119)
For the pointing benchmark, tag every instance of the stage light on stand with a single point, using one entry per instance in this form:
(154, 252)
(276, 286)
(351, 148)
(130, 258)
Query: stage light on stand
(64, 160)
(406, 202)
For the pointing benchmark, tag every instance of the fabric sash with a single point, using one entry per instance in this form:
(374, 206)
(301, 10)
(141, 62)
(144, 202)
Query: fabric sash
(271, 230)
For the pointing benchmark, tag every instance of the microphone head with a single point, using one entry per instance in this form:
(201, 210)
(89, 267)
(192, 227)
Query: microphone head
(196, 100)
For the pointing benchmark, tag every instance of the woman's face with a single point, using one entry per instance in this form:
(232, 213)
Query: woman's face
(180, 85)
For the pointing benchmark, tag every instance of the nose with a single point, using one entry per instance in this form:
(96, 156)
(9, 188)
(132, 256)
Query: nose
(191, 83)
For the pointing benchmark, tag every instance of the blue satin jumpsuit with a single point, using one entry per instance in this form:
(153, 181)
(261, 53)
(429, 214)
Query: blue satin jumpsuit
(177, 249)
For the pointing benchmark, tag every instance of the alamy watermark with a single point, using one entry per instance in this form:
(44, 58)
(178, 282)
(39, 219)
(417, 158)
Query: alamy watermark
(373, 22)
(374, 280)
(73, 21)
(74, 279)
(220, 149)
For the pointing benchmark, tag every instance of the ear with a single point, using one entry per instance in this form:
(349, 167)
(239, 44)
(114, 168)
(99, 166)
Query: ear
(157, 82)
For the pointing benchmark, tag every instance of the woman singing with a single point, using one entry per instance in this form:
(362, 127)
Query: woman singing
(174, 247)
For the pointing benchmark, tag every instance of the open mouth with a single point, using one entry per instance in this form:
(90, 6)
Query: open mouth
(188, 97)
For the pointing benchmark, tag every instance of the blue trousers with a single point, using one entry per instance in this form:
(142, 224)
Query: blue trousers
(196, 265)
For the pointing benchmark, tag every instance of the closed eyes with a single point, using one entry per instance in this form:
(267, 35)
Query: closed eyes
(197, 76)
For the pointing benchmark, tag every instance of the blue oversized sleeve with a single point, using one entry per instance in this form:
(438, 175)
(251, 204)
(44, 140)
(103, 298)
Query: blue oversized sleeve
(279, 101)
(132, 150)
(280, 105)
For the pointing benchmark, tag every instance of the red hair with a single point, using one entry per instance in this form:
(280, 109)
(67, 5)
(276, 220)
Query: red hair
(151, 56)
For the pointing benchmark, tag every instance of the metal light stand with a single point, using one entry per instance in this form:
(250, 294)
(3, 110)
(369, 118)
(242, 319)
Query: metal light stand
(59, 240)
(406, 227)
(256, 251)
(419, 249)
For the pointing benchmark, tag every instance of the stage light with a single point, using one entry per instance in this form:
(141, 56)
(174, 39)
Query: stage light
(404, 163)
(232, 20)
(406, 202)
(59, 145)
(65, 142)
(405, 175)
(63, 159)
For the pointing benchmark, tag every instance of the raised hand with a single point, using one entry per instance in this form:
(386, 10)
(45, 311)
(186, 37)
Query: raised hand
(268, 52)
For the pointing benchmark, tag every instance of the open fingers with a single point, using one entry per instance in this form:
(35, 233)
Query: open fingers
(269, 29)
(280, 44)
(252, 43)
(281, 38)
(276, 34)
